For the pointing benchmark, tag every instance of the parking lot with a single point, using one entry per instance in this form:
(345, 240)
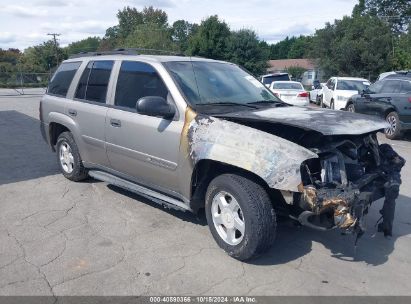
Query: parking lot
(89, 238)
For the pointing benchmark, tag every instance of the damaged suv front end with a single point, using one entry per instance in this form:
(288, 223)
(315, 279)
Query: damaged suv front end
(338, 188)
(346, 171)
(321, 167)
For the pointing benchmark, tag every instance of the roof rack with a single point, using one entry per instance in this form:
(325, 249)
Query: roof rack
(125, 51)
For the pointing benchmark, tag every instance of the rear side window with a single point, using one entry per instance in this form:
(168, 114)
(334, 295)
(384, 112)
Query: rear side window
(94, 81)
(391, 86)
(405, 87)
(137, 80)
(60, 82)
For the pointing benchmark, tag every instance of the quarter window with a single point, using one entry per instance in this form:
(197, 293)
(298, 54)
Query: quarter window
(60, 82)
(391, 86)
(137, 80)
(406, 87)
(94, 81)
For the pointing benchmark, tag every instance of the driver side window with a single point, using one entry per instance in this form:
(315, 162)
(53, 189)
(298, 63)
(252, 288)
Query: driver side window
(137, 80)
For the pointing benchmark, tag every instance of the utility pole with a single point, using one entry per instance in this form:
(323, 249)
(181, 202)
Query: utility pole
(55, 46)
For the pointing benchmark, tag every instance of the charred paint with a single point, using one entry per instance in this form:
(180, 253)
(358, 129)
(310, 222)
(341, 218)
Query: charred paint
(327, 122)
(274, 159)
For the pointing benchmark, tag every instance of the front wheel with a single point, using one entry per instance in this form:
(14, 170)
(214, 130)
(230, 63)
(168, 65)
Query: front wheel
(351, 108)
(394, 130)
(240, 216)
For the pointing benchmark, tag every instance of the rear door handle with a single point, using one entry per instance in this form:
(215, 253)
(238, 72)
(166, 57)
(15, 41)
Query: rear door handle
(72, 112)
(115, 123)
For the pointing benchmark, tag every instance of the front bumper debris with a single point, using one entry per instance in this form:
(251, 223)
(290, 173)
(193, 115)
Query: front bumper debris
(345, 206)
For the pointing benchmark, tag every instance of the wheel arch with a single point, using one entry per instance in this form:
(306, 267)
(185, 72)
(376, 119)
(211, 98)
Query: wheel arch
(59, 123)
(207, 169)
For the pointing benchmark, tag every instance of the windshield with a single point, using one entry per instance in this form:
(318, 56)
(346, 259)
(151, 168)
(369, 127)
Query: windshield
(213, 82)
(352, 85)
(270, 79)
(287, 86)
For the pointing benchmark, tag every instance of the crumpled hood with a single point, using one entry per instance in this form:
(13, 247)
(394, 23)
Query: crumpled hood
(324, 121)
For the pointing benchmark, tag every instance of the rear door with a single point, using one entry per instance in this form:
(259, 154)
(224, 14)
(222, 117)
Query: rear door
(89, 109)
(142, 147)
(378, 103)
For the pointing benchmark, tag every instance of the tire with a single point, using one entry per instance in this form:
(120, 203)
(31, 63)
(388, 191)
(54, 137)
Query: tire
(394, 132)
(254, 210)
(322, 102)
(68, 158)
(350, 108)
(332, 107)
(318, 100)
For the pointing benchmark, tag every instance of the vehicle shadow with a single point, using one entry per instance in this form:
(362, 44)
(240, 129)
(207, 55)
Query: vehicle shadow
(24, 155)
(294, 242)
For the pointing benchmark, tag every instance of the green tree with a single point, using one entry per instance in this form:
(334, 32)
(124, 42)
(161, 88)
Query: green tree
(150, 36)
(181, 33)
(89, 44)
(353, 46)
(42, 57)
(131, 23)
(296, 71)
(396, 12)
(245, 49)
(210, 39)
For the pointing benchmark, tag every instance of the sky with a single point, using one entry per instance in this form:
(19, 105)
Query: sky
(24, 23)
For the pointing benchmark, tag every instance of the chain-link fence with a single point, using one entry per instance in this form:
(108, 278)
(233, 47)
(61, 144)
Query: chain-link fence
(22, 83)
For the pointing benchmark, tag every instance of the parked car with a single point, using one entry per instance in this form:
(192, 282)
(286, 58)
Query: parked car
(316, 93)
(291, 92)
(389, 99)
(395, 75)
(338, 90)
(269, 78)
(192, 133)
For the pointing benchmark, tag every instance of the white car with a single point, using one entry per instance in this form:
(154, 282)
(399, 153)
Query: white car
(338, 90)
(316, 92)
(291, 92)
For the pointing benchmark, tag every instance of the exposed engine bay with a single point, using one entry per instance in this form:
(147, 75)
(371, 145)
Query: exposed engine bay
(338, 187)
(348, 176)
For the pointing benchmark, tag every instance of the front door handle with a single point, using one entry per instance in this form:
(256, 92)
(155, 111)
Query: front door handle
(72, 112)
(115, 123)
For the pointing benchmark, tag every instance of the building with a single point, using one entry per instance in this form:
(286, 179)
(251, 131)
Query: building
(312, 72)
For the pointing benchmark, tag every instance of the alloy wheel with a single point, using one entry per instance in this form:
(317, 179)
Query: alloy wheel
(228, 218)
(393, 125)
(66, 157)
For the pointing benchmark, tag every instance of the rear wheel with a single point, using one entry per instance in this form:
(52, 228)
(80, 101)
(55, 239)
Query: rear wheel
(394, 130)
(240, 216)
(351, 108)
(68, 158)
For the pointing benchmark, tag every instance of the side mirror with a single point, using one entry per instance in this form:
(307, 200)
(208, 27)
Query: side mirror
(365, 93)
(313, 87)
(155, 106)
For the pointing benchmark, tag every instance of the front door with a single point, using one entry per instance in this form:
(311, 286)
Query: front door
(143, 147)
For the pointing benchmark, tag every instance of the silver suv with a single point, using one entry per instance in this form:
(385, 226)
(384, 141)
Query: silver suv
(192, 133)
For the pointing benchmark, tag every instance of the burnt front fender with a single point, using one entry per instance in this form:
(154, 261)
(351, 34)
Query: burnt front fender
(276, 160)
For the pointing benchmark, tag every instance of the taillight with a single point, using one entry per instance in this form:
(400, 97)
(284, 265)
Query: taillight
(409, 99)
(303, 94)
